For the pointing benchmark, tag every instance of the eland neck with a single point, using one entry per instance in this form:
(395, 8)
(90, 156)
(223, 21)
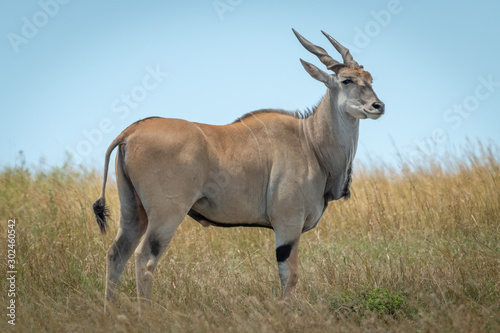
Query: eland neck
(333, 135)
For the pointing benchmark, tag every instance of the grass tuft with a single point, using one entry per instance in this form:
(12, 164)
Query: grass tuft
(380, 301)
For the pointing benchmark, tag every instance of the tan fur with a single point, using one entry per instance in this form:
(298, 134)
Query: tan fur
(358, 74)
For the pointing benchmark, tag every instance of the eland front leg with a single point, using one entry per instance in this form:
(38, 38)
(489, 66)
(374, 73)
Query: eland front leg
(287, 256)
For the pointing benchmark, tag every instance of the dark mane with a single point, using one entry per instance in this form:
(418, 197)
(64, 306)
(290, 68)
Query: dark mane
(296, 114)
(346, 192)
(141, 120)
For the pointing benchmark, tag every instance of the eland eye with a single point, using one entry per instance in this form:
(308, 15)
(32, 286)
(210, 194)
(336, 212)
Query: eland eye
(347, 81)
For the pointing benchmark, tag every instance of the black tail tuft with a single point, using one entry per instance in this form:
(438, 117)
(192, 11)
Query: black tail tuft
(101, 214)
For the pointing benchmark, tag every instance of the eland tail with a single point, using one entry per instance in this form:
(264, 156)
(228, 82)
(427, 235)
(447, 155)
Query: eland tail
(101, 211)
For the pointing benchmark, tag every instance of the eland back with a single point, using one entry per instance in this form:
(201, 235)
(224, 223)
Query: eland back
(269, 168)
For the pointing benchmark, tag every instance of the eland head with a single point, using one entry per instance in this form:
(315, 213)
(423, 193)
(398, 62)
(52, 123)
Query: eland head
(350, 81)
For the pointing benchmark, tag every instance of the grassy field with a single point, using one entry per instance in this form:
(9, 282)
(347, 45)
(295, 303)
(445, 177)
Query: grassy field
(412, 250)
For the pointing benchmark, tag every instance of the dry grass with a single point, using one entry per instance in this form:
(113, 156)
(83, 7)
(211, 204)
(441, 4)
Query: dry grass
(417, 250)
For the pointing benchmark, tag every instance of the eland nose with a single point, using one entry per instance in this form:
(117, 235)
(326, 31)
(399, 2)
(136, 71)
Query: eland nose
(379, 106)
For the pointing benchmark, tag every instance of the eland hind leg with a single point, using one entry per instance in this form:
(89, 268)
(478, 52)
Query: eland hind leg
(133, 223)
(163, 223)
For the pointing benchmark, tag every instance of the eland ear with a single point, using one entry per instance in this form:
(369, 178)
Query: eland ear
(315, 72)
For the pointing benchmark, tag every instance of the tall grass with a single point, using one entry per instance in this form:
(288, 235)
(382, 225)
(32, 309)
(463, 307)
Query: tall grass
(415, 249)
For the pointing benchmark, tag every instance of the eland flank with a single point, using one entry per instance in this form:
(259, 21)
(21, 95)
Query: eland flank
(269, 168)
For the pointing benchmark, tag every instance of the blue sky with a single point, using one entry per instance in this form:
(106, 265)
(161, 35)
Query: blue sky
(76, 73)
